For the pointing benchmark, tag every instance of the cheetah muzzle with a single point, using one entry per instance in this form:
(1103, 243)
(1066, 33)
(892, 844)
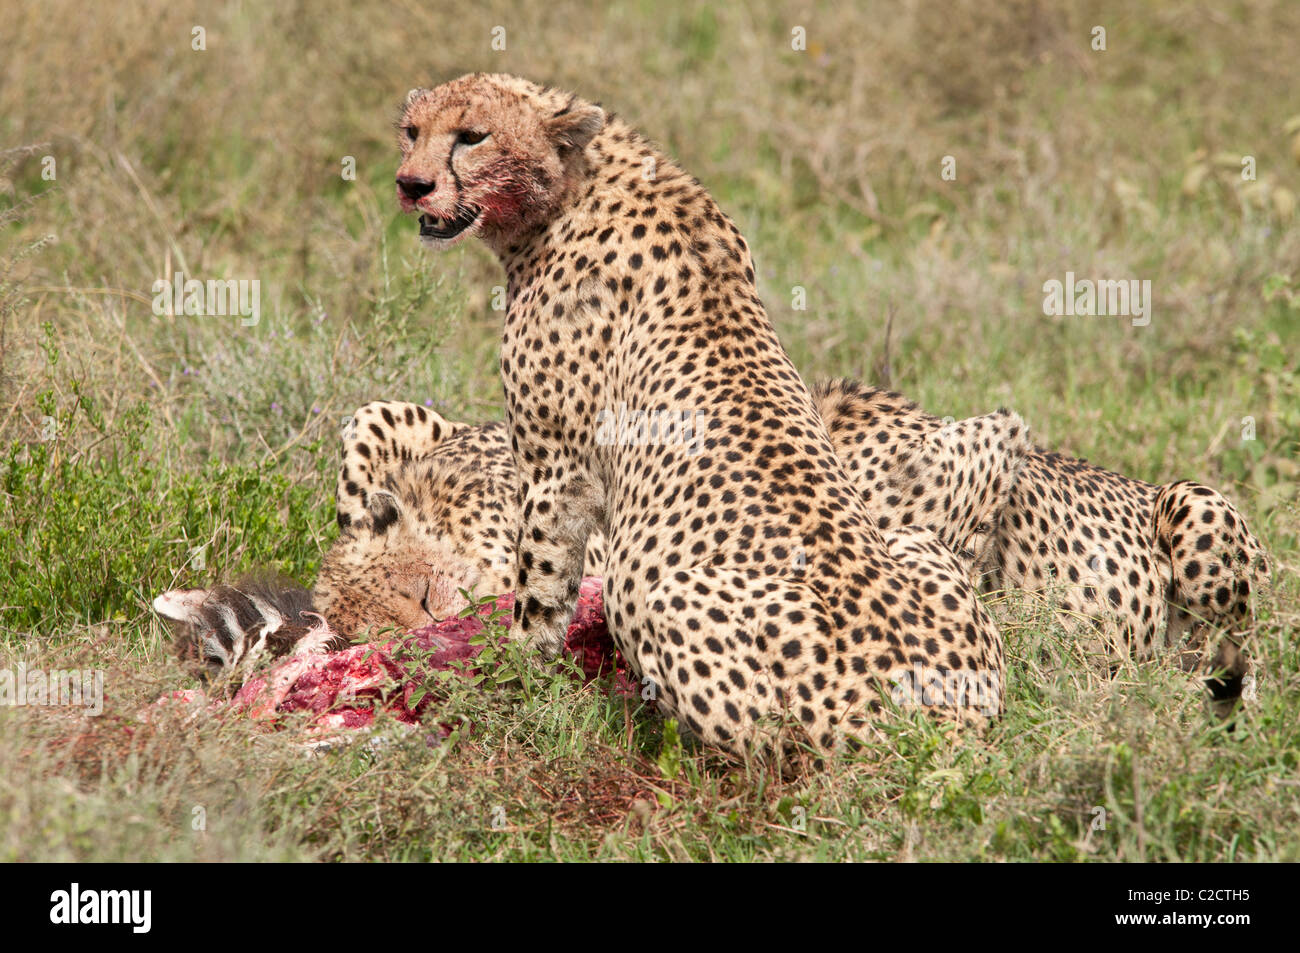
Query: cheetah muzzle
(448, 229)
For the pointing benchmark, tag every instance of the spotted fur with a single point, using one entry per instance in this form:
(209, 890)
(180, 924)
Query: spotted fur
(448, 497)
(952, 477)
(744, 576)
(1133, 567)
(425, 514)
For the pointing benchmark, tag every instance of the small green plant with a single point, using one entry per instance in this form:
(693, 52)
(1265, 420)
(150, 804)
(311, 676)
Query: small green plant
(670, 751)
(91, 538)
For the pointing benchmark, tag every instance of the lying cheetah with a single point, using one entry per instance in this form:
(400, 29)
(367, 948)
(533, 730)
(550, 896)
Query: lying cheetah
(426, 508)
(953, 477)
(1140, 568)
(746, 581)
(1133, 567)
(417, 524)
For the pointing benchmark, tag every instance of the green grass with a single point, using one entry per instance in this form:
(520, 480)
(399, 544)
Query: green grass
(139, 453)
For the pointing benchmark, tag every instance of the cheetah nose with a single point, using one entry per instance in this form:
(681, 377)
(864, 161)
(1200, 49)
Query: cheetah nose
(414, 188)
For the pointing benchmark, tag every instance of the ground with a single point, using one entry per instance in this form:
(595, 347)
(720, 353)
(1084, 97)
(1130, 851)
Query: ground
(185, 447)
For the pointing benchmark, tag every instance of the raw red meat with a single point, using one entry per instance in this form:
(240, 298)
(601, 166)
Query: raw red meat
(344, 689)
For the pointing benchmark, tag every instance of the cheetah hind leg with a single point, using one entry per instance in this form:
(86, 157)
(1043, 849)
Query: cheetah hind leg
(1215, 564)
(739, 655)
(970, 465)
(734, 655)
(376, 441)
(966, 678)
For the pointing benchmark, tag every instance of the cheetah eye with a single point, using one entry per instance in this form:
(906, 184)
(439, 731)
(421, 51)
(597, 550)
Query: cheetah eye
(412, 133)
(467, 138)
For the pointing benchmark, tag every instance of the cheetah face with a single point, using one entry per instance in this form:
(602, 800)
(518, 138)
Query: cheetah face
(403, 588)
(385, 571)
(487, 155)
(393, 587)
(430, 180)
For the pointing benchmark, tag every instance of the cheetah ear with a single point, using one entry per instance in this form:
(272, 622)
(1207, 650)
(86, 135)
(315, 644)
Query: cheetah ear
(384, 510)
(575, 125)
(413, 95)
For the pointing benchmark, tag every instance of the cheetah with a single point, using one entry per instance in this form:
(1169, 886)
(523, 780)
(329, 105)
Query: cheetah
(417, 524)
(456, 485)
(1136, 568)
(1133, 568)
(746, 581)
(966, 481)
(426, 508)
(952, 477)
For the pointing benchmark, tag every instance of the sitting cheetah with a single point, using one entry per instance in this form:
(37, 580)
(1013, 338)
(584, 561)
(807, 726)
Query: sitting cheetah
(746, 580)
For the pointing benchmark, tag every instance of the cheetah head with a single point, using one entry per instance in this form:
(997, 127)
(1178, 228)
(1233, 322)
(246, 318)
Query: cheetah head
(386, 571)
(489, 155)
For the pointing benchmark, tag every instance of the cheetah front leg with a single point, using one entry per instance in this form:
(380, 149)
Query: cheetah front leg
(556, 519)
